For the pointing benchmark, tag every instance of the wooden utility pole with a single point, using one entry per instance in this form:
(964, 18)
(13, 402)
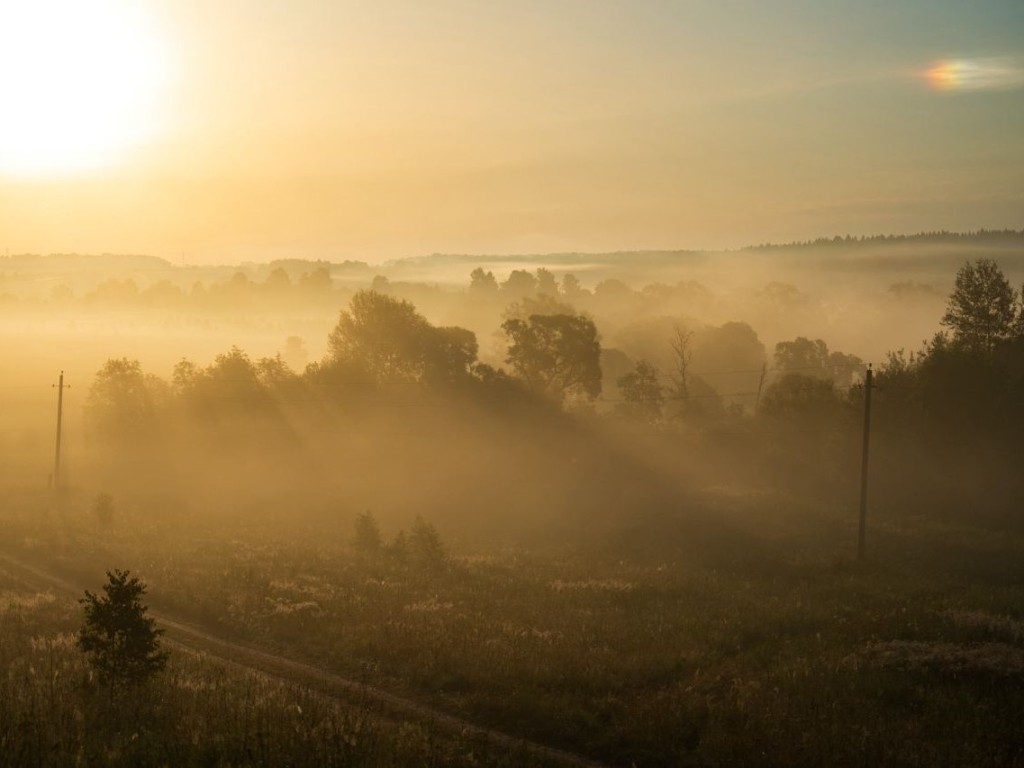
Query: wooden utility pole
(760, 386)
(862, 530)
(56, 456)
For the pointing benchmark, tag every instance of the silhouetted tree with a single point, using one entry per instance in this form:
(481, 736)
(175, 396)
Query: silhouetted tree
(546, 283)
(381, 335)
(571, 287)
(122, 642)
(385, 340)
(123, 402)
(982, 308)
(800, 399)
(425, 543)
(482, 284)
(278, 281)
(680, 343)
(449, 355)
(643, 395)
(544, 304)
(519, 284)
(367, 537)
(557, 355)
(813, 359)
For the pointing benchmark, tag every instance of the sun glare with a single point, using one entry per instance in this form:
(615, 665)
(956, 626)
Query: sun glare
(81, 84)
(975, 74)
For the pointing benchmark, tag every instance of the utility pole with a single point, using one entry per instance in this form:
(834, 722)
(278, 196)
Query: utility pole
(760, 386)
(56, 457)
(862, 530)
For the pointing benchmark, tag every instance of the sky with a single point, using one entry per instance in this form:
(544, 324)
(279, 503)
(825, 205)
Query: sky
(237, 130)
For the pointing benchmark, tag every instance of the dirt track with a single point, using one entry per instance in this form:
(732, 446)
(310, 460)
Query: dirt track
(193, 638)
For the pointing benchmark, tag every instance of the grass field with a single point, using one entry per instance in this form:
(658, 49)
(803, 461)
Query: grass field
(743, 634)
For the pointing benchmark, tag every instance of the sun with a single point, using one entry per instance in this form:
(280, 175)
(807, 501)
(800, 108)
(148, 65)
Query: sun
(81, 83)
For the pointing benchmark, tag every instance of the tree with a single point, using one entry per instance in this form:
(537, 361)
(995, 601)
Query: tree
(123, 402)
(681, 356)
(642, 393)
(802, 356)
(798, 399)
(519, 284)
(482, 283)
(556, 355)
(384, 340)
(813, 359)
(122, 642)
(367, 537)
(425, 543)
(982, 308)
(1018, 326)
(547, 285)
(571, 287)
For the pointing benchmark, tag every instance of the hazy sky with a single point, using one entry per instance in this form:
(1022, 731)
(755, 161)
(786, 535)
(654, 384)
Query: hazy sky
(245, 129)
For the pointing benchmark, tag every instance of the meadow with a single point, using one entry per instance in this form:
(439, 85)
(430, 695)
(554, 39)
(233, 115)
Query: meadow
(736, 630)
(200, 711)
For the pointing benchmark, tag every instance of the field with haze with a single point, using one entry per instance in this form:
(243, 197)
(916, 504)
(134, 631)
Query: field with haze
(511, 384)
(596, 518)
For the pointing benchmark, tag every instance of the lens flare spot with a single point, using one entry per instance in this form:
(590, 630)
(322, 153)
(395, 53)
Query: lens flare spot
(975, 74)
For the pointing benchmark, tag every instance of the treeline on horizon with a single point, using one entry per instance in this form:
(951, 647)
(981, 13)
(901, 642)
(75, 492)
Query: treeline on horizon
(402, 415)
(90, 262)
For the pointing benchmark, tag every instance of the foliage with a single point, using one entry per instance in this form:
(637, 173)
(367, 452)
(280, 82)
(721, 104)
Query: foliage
(367, 537)
(519, 285)
(122, 642)
(813, 358)
(642, 394)
(383, 340)
(797, 398)
(677, 641)
(123, 403)
(425, 545)
(200, 712)
(982, 308)
(482, 284)
(557, 355)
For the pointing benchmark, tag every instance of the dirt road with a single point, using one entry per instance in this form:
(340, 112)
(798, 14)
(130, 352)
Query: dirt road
(188, 636)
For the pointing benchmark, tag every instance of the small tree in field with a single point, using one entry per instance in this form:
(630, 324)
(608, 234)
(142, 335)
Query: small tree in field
(367, 539)
(122, 642)
(425, 543)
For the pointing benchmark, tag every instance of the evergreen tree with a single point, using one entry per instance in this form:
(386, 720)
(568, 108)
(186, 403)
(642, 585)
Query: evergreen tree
(122, 642)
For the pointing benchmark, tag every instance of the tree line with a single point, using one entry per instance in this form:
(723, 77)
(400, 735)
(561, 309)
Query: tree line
(949, 413)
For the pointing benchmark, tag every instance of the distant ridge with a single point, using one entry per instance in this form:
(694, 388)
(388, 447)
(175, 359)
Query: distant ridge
(981, 236)
(74, 262)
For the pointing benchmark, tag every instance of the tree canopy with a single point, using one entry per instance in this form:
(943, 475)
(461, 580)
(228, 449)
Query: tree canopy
(557, 355)
(384, 340)
(982, 309)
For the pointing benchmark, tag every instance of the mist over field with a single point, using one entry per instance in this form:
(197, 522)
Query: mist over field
(511, 384)
(399, 470)
(184, 362)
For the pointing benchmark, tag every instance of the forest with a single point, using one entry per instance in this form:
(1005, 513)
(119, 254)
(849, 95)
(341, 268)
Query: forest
(610, 518)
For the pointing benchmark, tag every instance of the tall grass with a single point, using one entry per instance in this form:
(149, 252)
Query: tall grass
(668, 646)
